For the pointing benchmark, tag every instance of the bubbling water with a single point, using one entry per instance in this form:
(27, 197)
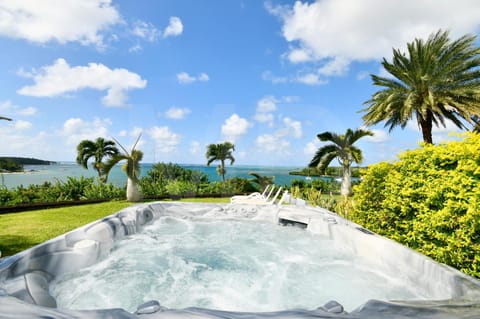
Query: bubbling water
(236, 265)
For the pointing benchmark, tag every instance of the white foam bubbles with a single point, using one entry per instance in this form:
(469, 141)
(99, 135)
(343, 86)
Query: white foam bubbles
(229, 265)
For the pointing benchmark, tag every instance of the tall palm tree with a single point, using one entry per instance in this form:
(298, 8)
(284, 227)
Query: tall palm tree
(343, 149)
(437, 79)
(131, 168)
(97, 149)
(220, 152)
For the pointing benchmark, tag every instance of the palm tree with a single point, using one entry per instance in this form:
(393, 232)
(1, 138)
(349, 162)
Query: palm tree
(131, 168)
(438, 79)
(220, 152)
(261, 180)
(97, 149)
(341, 148)
(5, 118)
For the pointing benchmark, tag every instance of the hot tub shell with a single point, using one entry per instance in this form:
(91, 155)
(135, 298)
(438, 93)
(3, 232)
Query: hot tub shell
(25, 277)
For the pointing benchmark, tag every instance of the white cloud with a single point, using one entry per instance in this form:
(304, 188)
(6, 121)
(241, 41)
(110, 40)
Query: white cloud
(379, 136)
(177, 113)
(339, 32)
(185, 78)
(146, 31)
(293, 128)
(76, 129)
(135, 48)
(58, 20)
(269, 76)
(265, 108)
(310, 79)
(195, 147)
(268, 143)
(7, 107)
(22, 125)
(174, 28)
(59, 78)
(27, 144)
(311, 148)
(166, 141)
(336, 66)
(235, 127)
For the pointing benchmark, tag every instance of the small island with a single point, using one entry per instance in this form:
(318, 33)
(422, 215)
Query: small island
(15, 164)
(331, 171)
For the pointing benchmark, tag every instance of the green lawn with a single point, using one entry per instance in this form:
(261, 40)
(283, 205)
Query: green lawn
(19, 231)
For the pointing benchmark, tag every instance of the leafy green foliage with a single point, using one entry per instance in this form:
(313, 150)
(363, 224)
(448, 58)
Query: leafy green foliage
(429, 200)
(323, 186)
(10, 165)
(70, 190)
(182, 181)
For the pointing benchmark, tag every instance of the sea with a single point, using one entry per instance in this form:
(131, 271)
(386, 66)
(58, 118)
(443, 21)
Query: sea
(38, 174)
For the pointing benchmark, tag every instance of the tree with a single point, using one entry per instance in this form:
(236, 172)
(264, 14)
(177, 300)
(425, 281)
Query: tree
(220, 152)
(436, 80)
(261, 180)
(97, 149)
(341, 148)
(131, 168)
(5, 118)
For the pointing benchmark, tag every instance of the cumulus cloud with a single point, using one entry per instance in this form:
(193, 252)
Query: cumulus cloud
(177, 113)
(339, 32)
(195, 147)
(379, 136)
(166, 141)
(293, 127)
(7, 107)
(58, 20)
(235, 127)
(185, 78)
(310, 79)
(60, 78)
(265, 108)
(270, 143)
(311, 148)
(22, 125)
(146, 31)
(24, 142)
(174, 28)
(76, 129)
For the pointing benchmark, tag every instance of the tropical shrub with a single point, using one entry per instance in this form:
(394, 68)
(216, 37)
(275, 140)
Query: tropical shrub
(428, 200)
(154, 184)
(70, 190)
(320, 185)
(230, 186)
(181, 188)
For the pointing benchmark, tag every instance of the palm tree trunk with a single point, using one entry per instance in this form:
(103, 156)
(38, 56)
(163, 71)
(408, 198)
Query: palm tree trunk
(426, 126)
(346, 187)
(223, 170)
(133, 194)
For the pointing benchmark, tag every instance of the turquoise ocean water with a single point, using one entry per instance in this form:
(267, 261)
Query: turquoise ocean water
(38, 174)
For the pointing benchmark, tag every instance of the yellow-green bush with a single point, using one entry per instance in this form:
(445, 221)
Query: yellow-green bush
(428, 200)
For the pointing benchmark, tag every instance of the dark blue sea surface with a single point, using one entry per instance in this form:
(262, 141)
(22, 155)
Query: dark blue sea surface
(38, 174)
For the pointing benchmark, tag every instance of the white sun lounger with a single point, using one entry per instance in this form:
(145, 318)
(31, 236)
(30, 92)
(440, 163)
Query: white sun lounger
(259, 201)
(255, 195)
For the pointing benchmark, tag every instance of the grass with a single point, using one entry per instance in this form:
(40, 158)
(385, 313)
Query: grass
(19, 231)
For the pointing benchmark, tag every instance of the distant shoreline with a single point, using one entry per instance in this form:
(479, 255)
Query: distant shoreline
(30, 171)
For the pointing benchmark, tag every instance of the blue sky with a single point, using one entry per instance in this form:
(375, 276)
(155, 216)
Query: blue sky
(265, 75)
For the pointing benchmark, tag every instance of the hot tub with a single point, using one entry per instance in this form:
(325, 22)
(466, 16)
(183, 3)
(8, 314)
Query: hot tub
(185, 260)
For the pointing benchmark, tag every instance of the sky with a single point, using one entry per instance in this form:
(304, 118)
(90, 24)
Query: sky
(267, 76)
